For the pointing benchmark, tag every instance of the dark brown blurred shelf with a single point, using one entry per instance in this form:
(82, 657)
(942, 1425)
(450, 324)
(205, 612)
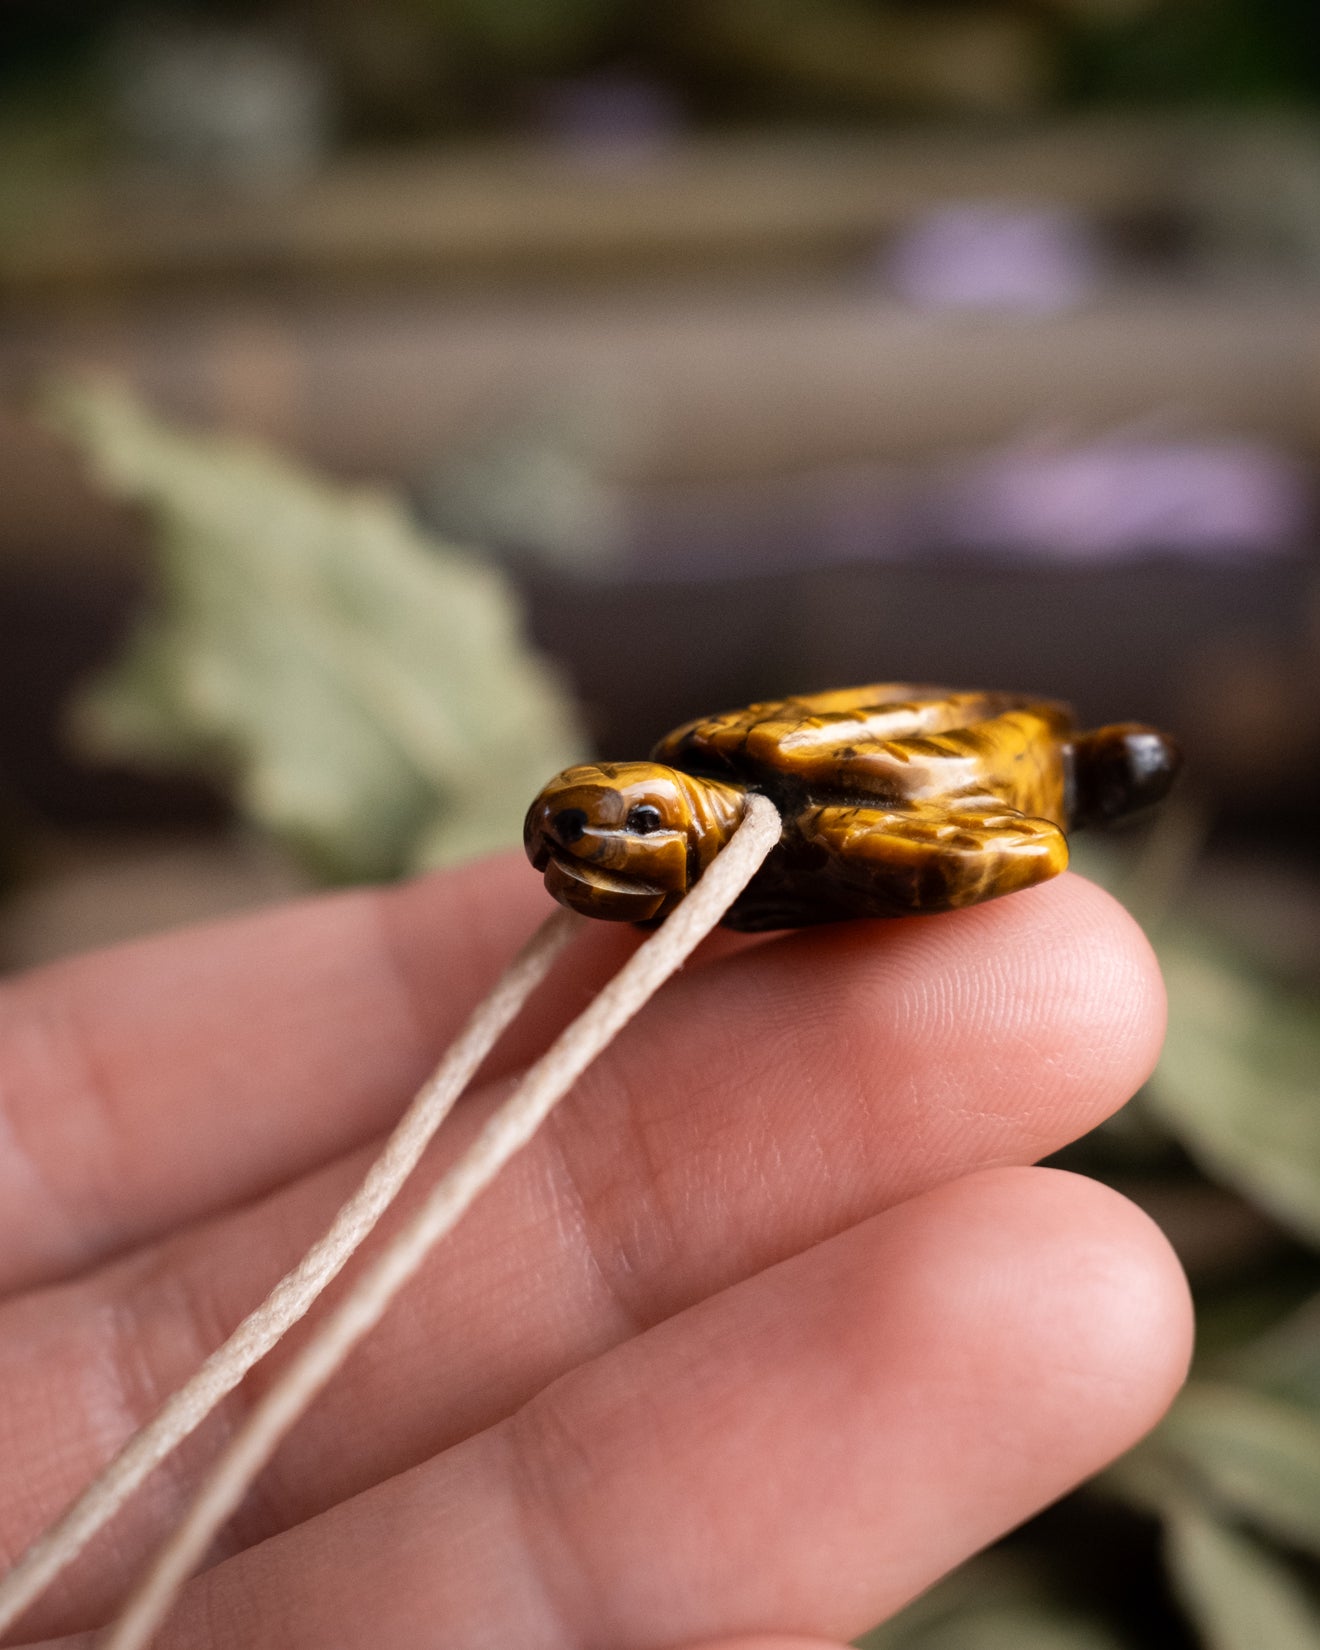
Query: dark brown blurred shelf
(549, 208)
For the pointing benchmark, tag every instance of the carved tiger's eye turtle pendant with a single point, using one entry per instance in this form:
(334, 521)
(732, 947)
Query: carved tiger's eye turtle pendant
(895, 800)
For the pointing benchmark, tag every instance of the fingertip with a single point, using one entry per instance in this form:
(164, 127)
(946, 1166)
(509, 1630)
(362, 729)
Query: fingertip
(1109, 1303)
(1112, 985)
(1138, 1303)
(1058, 995)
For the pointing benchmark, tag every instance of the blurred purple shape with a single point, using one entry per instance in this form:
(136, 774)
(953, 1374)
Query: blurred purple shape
(983, 255)
(610, 116)
(1115, 499)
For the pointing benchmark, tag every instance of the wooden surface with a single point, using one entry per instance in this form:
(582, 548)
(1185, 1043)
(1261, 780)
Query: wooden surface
(698, 383)
(713, 308)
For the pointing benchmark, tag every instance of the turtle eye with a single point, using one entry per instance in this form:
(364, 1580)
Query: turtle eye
(643, 819)
(570, 824)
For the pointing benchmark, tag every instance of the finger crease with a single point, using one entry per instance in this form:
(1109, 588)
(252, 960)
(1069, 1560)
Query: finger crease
(550, 1557)
(156, 1335)
(58, 1086)
(607, 1263)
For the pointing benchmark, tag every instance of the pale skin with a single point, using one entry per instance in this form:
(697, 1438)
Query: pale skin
(769, 1328)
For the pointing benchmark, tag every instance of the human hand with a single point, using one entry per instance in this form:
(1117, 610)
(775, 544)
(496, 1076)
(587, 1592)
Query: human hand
(767, 1329)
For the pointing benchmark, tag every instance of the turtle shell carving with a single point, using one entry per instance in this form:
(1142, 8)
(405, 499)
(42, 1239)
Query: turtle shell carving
(896, 800)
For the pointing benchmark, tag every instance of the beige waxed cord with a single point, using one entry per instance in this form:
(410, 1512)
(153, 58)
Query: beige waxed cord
(293, 1296)
(506, 1131)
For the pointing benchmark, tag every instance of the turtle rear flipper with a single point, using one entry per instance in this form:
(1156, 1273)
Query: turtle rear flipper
(1119, 770)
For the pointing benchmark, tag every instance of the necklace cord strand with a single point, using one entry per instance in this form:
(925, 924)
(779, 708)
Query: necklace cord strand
(185, 1410)
(505, 1132)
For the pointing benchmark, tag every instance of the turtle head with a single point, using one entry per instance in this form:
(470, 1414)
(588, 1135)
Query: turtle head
(626, 840)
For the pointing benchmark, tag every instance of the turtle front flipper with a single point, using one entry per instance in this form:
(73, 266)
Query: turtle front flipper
(927, 857)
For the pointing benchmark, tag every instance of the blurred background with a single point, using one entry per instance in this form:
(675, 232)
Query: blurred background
(398, 401)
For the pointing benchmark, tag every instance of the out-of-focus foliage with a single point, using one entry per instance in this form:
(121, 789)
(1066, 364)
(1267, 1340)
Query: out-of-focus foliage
(418, 65)
(365, 690)
(1239, 1082)
(540, 33)
(1239, 1594)
(994, 1603)
(1184, 50)
(1246, 1455)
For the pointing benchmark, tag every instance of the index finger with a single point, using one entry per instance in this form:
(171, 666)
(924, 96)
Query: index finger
(170, 1078)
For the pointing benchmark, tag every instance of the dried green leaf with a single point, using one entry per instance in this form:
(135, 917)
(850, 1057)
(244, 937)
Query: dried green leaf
(1285, 1360)
(1255, 1457)
(1040, 1626)
(1239, 1595)
(992, 1577)
(366, 690)
(1239, 1081)
(995, 1602)
(1232, 1322)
